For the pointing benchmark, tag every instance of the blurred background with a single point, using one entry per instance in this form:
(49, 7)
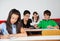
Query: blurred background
(32, 5)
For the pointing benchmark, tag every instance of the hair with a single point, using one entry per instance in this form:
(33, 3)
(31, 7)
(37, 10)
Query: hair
(47, 12)
(17, 23)
(26, 12)
(37, 16)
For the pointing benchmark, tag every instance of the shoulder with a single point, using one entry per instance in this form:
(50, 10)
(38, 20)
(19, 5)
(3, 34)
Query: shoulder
(42, 20)
(52, 20)
(3, 25)
(29, 20)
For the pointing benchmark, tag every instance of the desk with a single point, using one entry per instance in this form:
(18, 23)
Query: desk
(39, 29)
(50, 32)
(34, 29)
(38, 38)
(34, 38)
(47, 35)
(46, 31)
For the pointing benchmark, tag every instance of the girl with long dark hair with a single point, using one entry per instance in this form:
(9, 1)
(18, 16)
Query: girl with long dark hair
(13, 26)
(35, 19)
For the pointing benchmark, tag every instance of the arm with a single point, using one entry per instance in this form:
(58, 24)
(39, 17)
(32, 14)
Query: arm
(57, 27)
(23, 33)
(54, 25)
(36, 26)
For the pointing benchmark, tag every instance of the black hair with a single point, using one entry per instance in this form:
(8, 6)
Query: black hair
(26, 12)
(47, 12)
(8, 23)
(35, 13)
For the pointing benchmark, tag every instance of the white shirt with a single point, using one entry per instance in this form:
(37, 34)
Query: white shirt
(34, 22)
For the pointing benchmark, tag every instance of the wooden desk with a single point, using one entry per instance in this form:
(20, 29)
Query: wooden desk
(46, 31)
(34, 32)
(50, 32)
(47, 35)
(33, 29)
(34, 38)
(44, 38)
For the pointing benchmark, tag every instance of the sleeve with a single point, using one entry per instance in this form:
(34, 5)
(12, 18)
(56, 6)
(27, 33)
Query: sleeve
(30, 20)
(29, 23)
(39, 24)
(54, 23)
(3, 29)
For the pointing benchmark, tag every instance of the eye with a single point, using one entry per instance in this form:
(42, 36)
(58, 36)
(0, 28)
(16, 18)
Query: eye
(16, 19)
(12, 17)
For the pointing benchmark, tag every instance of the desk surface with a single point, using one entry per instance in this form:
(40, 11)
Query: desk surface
(38, 38)
(34, 38)
(46, 32)
(55, 37)
(39, 29)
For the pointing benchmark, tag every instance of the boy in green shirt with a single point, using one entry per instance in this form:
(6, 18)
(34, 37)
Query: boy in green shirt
(46, 22)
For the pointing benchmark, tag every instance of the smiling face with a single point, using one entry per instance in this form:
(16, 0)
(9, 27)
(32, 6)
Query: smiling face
(46, 16)
(14, 18)
(35, 16)
(26, 17)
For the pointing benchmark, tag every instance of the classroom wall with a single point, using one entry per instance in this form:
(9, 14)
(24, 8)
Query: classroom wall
(31, 5)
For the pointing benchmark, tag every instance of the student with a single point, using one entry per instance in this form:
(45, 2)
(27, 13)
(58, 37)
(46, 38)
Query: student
(35, 18)
(35, 21)
(13, 27)
(46, 23)
(26, 21)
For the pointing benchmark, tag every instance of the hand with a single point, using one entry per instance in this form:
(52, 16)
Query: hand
(35, 25)
(50, 27)
(4, 37)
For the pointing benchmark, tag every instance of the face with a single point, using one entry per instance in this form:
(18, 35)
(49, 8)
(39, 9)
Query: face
(14, 18)
(46, 16)
(26, 17)
(35, 15)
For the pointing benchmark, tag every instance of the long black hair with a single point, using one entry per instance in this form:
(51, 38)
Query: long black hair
(17, 23)
(37, 16)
